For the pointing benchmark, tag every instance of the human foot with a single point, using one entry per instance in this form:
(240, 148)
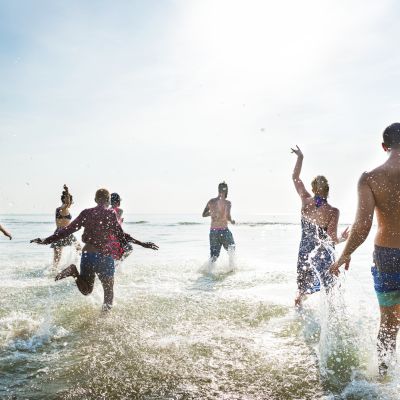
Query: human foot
(69, 271)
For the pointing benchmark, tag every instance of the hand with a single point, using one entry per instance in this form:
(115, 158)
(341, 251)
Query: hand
(37, 241)
(297, 151)
(150, 245)
(334, 269)
(345, 234)
(9, 236)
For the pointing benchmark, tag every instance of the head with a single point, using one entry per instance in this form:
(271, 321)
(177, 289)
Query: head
(115, 200)
(66, 197)
(102, 197)
(320, 186)
(223, 189)
(391, 137)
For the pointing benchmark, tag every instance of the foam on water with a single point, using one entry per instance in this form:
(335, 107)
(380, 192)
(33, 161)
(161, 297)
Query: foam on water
(184, 329)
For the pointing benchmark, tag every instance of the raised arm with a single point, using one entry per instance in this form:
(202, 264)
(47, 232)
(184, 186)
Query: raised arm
(5, 232)
(207, 212)
(362, 224)
(298, 183)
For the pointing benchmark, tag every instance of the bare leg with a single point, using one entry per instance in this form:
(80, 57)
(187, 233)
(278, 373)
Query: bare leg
(231, 254)
(57, 256)
(108, 287)
(300, 297)
(85, 285)
(388, 329)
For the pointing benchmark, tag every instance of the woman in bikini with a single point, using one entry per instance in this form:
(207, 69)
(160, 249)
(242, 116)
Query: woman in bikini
(319, 223)
(63, 219)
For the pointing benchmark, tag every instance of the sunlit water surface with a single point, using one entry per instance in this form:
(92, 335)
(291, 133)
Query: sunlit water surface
(181, 331)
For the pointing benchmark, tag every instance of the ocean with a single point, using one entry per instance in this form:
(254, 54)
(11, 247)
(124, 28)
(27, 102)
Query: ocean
(182, 330)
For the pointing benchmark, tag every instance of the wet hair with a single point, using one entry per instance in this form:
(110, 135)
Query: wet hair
(66, 195)
(115, 199)
(391, 136)
(223, 188)
(320, 186)
(102, 195)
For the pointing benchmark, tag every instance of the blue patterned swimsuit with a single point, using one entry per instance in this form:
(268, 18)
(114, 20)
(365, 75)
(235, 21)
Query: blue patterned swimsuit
(316, 255)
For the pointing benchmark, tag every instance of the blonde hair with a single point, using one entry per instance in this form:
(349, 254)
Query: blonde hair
(320, 186)
(102, 196)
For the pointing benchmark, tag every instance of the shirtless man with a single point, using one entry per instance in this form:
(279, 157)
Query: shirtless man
(99, 223)
(220, 211)
(5, 232)
(379, 191)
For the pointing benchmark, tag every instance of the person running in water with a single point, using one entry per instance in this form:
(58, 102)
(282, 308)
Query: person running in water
(98, 223)
(219, 209)
(115, 206)
(63, 219)
(5, 232)
(379, 191)
(319, 223)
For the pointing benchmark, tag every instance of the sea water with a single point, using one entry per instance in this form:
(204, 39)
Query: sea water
(182, 329)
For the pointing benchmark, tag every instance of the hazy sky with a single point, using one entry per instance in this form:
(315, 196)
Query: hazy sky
(162, 100)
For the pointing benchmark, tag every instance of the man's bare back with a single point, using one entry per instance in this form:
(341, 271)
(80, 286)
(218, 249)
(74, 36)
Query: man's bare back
(220, 211)
(384, 183)
(379, 191)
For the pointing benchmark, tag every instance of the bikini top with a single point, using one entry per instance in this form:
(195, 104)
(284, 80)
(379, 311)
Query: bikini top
(319, 201)
(60, 216)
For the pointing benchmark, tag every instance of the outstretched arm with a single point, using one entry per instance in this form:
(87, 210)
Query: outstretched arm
(74, 226)
(124, 237)
(207, 212)
(5, 232)
(147, 245)
(298, 183)
(362, 224)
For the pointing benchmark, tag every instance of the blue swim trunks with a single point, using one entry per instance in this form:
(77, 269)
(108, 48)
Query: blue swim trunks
(220, 237)
(97, 263)
(386, 274)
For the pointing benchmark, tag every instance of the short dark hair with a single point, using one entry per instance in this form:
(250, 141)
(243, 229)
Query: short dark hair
(115, 199)
(223, 188)
(391, 135)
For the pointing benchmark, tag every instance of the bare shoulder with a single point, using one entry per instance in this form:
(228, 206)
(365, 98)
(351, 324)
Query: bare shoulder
(369, 177)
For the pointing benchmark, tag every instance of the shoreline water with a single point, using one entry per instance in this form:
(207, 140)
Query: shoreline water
(177, 332)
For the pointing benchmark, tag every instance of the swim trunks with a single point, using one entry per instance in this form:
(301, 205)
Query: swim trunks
(386, 274)
(316, 255)
(220, 237)
(96, 263)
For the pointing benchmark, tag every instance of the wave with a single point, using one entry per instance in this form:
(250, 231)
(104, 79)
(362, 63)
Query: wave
(136, 222)
(189, 223)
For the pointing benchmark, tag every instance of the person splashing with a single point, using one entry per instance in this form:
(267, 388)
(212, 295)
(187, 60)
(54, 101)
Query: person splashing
(219, 209)
(319, 222)
(98, 223)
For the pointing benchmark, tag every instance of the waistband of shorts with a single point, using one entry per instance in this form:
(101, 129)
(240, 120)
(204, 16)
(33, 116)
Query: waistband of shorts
(387, 259)
(219, 229)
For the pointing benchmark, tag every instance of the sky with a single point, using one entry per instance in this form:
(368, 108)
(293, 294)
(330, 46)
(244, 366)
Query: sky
(162, 100)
